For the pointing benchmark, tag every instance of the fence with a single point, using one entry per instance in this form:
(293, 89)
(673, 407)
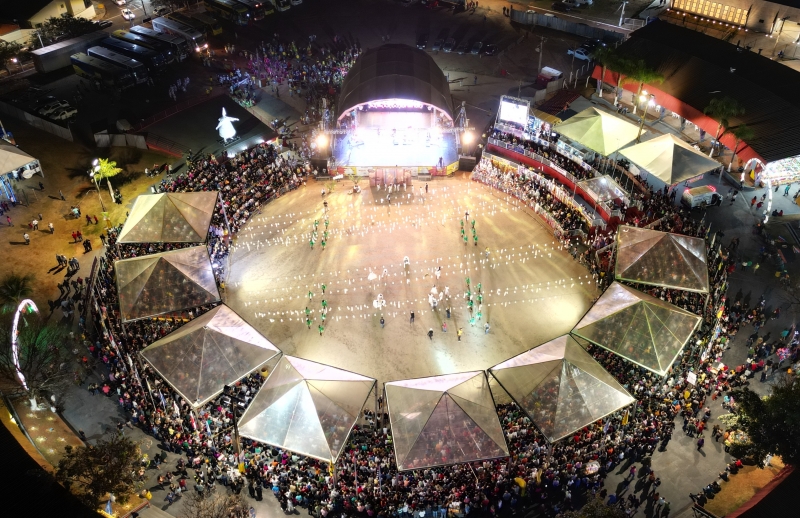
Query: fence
(559, 24)
(165, 145)
(121, 140)
(172, 110)
(35, 121)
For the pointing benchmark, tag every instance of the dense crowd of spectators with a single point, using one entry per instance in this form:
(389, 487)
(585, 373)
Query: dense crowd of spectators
(542, 147)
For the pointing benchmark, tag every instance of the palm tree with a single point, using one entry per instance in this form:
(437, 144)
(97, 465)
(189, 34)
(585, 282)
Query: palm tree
(721, 109)
(13, 288)
(606, 57)
(621, 65)
(106, 169)
(742, 133)
(640, 72)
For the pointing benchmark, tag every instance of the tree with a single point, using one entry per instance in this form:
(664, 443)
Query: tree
(215, 505)
(106, 169)
(61, 28)
(94, 471)
(621, 65)
(41, 354)
(606, 56)
(9, 50)
(13, 288)
(595, 508)
(742, 133)
(721, 109)
(640, 72)
(772, 423)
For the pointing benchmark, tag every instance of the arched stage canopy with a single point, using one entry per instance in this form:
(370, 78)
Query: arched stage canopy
(306, 407)
(182, 217)
(561, 387)
(444, 420)
(638, 327)
(395, 72)
(661, 259)
(215, 349)
(162, 283)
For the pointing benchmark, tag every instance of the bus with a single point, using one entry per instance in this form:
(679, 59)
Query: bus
(152, 59)
(255, 8)
(176, 44)
(137, 70)
(211, 24)
(106, 73)
(159, 48)
(195, 39)
(229, 10)
(187, 20)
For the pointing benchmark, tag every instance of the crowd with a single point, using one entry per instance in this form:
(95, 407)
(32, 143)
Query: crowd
(545, 149)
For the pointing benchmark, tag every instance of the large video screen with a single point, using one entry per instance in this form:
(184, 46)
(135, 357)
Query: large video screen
(514, 111)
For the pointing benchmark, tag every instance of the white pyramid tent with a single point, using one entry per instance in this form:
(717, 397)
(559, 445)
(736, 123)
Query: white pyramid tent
(181, 217)
(661, 259)
(215, 349)
(638, 327)
(669, 159)
(599, 131)
(161, 283)
(443, 420)
(561, 387)
(306, 407)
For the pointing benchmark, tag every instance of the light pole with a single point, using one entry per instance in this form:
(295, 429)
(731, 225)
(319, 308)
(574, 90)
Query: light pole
(93, 175)
(235, 403)
(649, 99)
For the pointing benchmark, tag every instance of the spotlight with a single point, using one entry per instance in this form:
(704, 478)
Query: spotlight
(467, 138)
(322, 140)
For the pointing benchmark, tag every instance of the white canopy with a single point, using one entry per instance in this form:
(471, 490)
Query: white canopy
(561, 387)
(306, 407)
(444, 420)
(670, 159)
(599, 131)
(215, 349)
(182, 217)
(12, 158)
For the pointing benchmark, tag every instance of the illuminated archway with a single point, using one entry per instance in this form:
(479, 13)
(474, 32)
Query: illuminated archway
(31, 307)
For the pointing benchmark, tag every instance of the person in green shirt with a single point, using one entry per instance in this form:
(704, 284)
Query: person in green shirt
(308, 322)
(321, 329)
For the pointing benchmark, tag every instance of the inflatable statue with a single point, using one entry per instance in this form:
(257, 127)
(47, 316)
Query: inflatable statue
(225, 126)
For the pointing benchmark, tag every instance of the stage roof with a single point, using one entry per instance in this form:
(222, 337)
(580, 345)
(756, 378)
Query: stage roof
(561, 387)
(670, 159)
(215, 349)
(599, 131)
(661, 259)
(640, 328)
(182, 217)
(306, 407)
(395, 71)
(444, 420)
(161, 283)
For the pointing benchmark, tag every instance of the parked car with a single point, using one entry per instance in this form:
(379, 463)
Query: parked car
(561, 6)
(52, 107)
(102, 24)
(161, 10)
(422, 41)
(121, 2)
(64, 113)
(490, 49)
(449, 45)
(297, 2)
(476, 47)
(577, 3)
(128, 14)
(581, 53)
(437, 45)
(462, 48)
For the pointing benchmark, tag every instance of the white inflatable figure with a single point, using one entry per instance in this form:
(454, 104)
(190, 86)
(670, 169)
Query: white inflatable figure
(225, 126)
(372, 275)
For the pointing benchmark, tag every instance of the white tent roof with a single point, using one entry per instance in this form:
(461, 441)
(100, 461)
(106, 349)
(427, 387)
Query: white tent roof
(215, 349)
(306, 407)
(670, 159)
(443, 420)
(561, 387)
(638, 327)
(182, 217)
(161, 283)
(661, 259)
(601, 132)
(12, 158)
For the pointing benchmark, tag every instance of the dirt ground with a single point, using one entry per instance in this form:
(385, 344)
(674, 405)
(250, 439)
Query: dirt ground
(742, 486)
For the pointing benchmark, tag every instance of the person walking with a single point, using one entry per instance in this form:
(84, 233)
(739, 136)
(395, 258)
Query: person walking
(459, 333)
(411, 320)
(8, 218)
(321, 328)
(27, 238)
(52, 228)
(430, 334)
(62, 195)
(383, 322)
(700, 443)
(485, 328)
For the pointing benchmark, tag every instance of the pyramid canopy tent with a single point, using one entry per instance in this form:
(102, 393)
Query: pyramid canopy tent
(670, 159)
(661, 259)
(306, 407)
(599, 131)
(561, 387)
(160, 283)
(12, 158)
(215, 349)
(640, 328)
(182, 217)
(604, 188)
(444, 420)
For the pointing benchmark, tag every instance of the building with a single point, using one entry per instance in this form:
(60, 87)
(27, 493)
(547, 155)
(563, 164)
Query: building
(754, 15)
(29, 14)
(697, 68)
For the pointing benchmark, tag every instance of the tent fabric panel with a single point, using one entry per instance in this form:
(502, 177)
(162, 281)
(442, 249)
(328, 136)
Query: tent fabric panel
(409, 411)
(599, 131)
(485, 418)
(334, 420)
(170, 218)
(137, 225)
(519, 381)
(282, 379)
(318, 371)
(615, 298)
(441, 383)
(349, 395)
(132, 278)
(670, 159)
(546, 352)
(12, 158)
(604, 187)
